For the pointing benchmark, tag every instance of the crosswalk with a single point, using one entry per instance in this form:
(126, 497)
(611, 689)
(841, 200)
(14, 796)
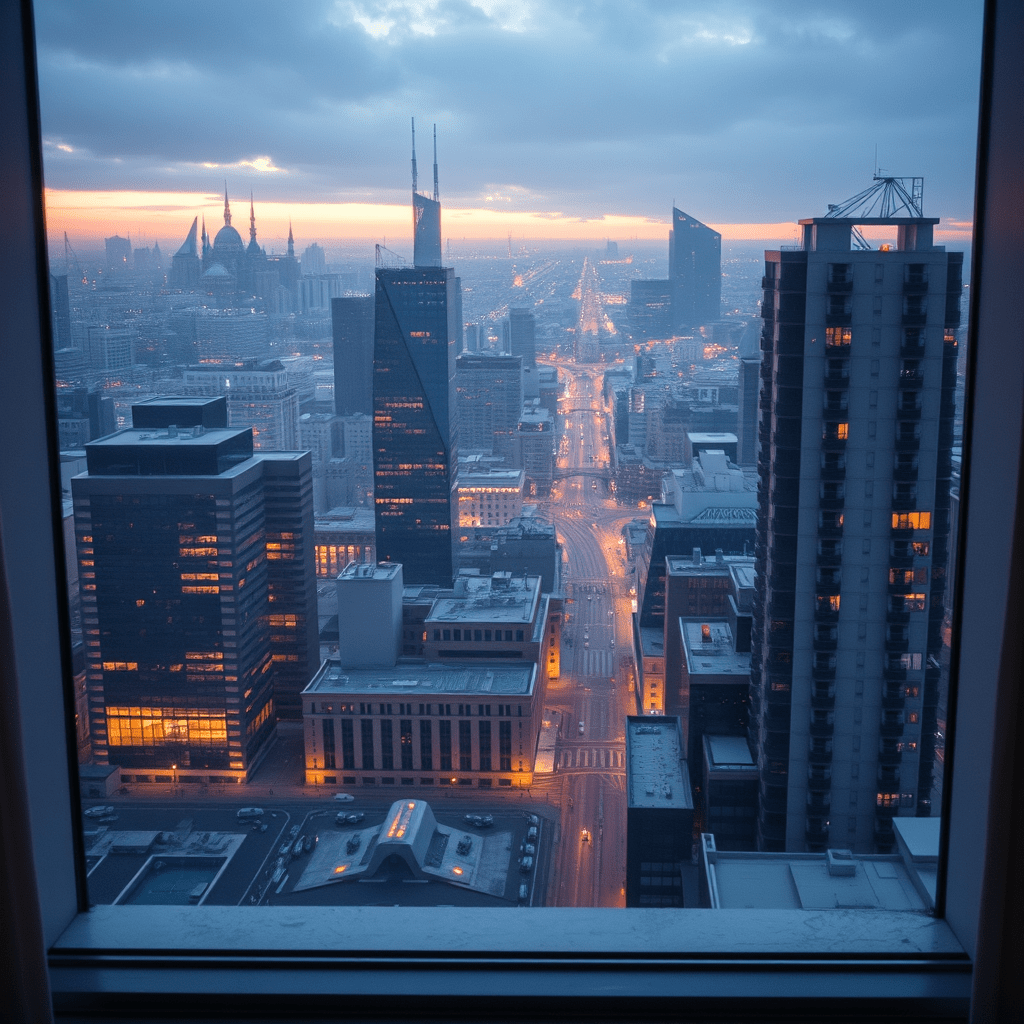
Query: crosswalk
(600, 758)
(594, 663)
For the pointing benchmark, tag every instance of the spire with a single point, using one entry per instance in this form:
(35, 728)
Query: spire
(414, 155)
(188, 247)
(252, 220)
(291, 241)
(206, 238)
(227, 207)
(435, 164)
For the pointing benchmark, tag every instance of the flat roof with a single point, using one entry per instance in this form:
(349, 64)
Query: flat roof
(714, 654)
(419, 679)
(369, 571)
(498, 598)
(482, 477)
(652, 642)
(656, 773)
(805, 881)
(744, 574)
(345, 520)
(207, 437)
(711, 437)
(728, 750)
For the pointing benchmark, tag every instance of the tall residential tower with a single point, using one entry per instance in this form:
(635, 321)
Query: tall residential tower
(858, 373)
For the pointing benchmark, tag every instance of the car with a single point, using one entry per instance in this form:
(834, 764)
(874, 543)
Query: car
(344, 798)
(354, 819)
(300, 847)
(529, 849)
(526, 865)
(524, 893)
(533, 819)
(98, 812)
(285, 849)
(613, 643)
(582, 727)
(585, 835)
(259, 826)
(531, 834)
(341, 818)
(586, 645)
(480, 820)
(246, 812)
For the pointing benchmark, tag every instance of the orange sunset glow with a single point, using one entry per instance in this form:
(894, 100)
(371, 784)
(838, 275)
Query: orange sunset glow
(166, 216)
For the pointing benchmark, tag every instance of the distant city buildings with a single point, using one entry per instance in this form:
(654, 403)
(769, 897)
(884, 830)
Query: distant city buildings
(352, 329)
(489, 403)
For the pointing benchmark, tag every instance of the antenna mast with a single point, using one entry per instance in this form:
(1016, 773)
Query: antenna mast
(414, 154)
(435, 164)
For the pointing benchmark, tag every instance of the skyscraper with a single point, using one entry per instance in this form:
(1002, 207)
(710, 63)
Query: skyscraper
(489, 391)
(415, 342)
(198, 592)
(855, 439)
(352, 326)
(523, 342)
(694, 271)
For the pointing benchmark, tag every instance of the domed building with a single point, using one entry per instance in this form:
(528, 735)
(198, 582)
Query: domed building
(233, 272)
(230, 269)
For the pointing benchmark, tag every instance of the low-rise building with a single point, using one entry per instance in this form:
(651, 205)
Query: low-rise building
(419, 725)
(343, 535)
(728, 804)
(489, 497)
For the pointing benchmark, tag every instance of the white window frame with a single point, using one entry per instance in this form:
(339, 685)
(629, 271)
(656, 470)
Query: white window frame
(557, 961)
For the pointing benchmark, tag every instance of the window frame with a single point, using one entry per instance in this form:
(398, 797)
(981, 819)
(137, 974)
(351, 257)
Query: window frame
(550, 960)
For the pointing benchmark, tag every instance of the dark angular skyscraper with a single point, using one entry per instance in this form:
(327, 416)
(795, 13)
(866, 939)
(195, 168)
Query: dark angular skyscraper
(413, 420)
(694, 271)
(352, 326)
(415, 342)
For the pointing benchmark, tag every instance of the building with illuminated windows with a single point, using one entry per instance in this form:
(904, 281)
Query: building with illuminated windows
(490, 497)
(198, 593)
(858, 373)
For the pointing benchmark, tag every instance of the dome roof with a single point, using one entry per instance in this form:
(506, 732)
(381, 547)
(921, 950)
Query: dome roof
(228, 240)
(216, 271)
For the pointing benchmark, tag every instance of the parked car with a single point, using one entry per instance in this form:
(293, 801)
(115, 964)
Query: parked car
(245, 812)
(531, 834)
(529, 849)
(582, 727)
(98, 812)
(533, 819)
(524, 893)
(526, 865)
(345, 798)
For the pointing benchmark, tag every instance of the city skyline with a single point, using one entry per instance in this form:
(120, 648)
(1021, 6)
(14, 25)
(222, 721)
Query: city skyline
(605, 161)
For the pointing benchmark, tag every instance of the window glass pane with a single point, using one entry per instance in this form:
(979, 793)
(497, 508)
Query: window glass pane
(675, 479)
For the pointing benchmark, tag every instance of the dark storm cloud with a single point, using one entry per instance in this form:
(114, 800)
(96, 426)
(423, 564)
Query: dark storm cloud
(742, 111)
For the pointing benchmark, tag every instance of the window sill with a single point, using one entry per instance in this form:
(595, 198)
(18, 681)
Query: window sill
(569, 960)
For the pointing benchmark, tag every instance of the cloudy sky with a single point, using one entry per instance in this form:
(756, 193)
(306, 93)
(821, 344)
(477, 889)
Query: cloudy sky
(555, 117)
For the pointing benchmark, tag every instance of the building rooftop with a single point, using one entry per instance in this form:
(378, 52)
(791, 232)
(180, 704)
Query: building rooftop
(368, 571)
(346, 519)
(408, 680)
(656, 773)
(652, 642)
(490, 477)
(834, 880)
(711, 437)
(498, 598)
(728, 751)
(709, 649)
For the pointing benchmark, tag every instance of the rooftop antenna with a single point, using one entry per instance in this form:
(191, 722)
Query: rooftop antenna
(435, 163)
(414, 154)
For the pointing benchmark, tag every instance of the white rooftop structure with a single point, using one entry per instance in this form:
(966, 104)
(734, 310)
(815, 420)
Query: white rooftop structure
(833, 880)
(499, 598)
